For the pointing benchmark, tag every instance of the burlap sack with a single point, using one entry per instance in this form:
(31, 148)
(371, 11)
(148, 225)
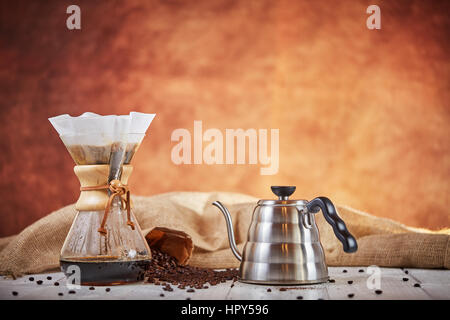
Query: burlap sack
(381, 242)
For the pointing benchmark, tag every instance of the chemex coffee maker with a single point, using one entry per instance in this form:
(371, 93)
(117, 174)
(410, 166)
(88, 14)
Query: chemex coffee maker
(283, 245)
(105, 245)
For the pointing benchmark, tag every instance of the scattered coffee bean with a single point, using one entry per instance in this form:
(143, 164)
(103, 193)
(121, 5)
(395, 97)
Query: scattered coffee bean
(31, 278)
(350, 281)
(269, 290)
(190, 290)
(232, 285)
(331, 280)
(91, 288)
(72, 292)
(283, 289)
(417, 285)
(15, 293)
(60, 294)
(378, 291)
(351, 295)
(405, 279)
(49, 278)
(108, 289)
(299, 298)
(344, 271)
(167, 288)
(56, 283)
(165, 270)
(406, 271)
(361, 270)
(39, 282)
(161, 295)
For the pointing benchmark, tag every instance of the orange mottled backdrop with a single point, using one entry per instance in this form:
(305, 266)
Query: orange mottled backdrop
(364, 115)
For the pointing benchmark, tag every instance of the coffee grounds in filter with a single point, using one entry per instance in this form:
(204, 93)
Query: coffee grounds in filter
(164, 270)
(90, 154)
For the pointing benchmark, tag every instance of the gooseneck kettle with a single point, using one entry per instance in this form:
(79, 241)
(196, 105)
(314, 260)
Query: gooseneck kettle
(283, 245)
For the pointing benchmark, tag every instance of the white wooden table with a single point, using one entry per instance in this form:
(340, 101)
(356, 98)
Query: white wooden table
(420, 284)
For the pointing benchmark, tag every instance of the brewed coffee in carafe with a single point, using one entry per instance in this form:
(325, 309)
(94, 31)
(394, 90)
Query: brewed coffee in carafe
(105, 245)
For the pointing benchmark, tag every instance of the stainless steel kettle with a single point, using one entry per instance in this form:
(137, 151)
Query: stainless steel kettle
(283, 245)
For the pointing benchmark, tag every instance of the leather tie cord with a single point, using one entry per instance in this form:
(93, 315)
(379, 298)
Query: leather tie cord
(117, 190)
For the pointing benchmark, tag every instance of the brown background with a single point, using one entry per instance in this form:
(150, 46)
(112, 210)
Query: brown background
(363, 115)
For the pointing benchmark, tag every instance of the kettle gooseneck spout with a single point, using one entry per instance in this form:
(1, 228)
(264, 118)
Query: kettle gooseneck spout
(229, 222)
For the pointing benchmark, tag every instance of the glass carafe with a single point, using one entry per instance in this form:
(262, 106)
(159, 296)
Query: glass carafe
(105, 244)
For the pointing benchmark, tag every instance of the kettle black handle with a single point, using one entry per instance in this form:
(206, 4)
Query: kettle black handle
(339, 227)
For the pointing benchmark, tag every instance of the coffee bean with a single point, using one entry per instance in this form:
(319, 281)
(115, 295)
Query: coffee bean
(72, 292)
(39, 282)
(161, 295)
(190, 290)
(351, 295)
(406, 271)
(91, 288)
(299, 298)
(15, 293)
(283, 289)
(344, 271)
(361, 270)
(49, 278)
(269, 290)
(164, 269)
(56, 283)
(417, 285)
(108, 289)
(378, 291)
(60, 294)
(331, 280)
(405, 279)
(350, 281)
(31, 278)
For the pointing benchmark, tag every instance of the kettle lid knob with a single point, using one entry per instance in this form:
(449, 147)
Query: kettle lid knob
(283, 192)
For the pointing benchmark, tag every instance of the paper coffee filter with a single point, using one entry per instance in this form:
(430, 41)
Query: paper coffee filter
(83, 133)
(93, 129)
(140, 121)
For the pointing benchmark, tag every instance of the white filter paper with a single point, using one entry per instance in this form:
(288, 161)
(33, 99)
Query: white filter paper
(89, 137)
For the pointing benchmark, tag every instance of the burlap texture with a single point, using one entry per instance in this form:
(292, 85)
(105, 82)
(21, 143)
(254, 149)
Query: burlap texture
(381, 241)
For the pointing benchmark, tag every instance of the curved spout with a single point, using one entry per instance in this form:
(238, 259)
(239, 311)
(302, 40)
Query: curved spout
(231, 239)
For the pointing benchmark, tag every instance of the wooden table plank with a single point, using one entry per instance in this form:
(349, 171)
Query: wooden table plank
(434, 284)
(392, 285)
(245, 291)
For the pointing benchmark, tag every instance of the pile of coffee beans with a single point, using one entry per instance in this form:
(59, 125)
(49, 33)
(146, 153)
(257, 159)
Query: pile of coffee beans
(164, 270)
